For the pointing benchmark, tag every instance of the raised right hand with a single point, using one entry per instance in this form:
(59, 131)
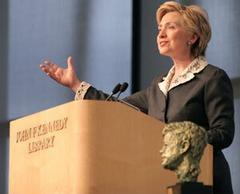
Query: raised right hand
(64, 76)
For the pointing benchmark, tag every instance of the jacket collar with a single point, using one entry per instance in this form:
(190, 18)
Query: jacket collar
(196, 66)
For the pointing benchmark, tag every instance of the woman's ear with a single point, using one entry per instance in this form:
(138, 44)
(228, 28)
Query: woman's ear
(194, 38)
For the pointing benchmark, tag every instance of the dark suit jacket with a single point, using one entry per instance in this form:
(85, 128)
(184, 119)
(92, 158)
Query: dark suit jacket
(206, 100)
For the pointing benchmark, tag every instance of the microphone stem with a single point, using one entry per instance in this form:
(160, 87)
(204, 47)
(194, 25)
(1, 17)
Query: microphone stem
(118, 95)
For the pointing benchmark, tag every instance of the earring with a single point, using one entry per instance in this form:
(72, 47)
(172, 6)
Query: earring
(189, 43)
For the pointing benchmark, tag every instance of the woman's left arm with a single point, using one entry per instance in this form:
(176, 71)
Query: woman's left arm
(220, 110)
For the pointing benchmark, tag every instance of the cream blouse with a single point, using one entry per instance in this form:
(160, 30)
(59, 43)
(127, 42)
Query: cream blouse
(196, 66)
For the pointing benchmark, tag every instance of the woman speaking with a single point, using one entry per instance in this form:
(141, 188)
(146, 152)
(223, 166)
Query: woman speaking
(193, 90)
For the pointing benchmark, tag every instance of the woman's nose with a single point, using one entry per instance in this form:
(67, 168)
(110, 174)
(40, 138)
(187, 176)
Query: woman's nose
(162, 33)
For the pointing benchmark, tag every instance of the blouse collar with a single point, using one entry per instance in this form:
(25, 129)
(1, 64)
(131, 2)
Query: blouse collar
(196, 66)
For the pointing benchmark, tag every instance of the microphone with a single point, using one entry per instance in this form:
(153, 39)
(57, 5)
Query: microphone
(122, 89)
(115, 90)
(130, 105)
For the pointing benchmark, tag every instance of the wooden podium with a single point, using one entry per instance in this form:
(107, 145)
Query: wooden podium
(90, 147)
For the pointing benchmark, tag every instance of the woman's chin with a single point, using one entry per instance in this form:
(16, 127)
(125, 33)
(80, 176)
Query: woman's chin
(164, 53)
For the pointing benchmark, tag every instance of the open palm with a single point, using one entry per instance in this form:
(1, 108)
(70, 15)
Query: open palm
(64, 76)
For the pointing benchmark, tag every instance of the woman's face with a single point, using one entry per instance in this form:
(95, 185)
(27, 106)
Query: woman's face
(173, 37)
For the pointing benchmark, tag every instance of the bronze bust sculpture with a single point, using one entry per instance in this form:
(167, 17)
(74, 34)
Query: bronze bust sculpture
(184, 143)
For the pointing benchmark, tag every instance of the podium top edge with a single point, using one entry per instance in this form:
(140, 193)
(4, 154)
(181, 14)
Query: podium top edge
(76, 103)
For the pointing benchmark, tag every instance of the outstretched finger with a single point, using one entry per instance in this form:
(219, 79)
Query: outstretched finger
(70, 62)
(47, 62)
(53, 67)
(44, 68)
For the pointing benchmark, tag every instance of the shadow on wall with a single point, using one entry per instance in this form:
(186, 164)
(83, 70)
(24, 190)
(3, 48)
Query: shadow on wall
(236, 84)
(3, 59)
(81, 43)
(4, 136)
(4, 132)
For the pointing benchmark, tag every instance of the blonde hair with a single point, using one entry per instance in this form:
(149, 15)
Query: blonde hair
(195, 19)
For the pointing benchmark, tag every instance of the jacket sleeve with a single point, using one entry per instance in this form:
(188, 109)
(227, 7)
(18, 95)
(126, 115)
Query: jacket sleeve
(94, 94)
(143, 98)
(218, 97)
(138, 99)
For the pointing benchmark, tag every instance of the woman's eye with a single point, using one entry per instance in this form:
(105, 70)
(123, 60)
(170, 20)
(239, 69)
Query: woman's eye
(171, 27)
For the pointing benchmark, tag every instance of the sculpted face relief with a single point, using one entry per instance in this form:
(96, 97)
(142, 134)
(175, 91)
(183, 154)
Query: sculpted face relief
(170, 152)
(184, 143)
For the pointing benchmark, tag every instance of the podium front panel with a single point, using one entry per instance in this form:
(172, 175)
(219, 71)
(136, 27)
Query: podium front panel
(90, 147)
